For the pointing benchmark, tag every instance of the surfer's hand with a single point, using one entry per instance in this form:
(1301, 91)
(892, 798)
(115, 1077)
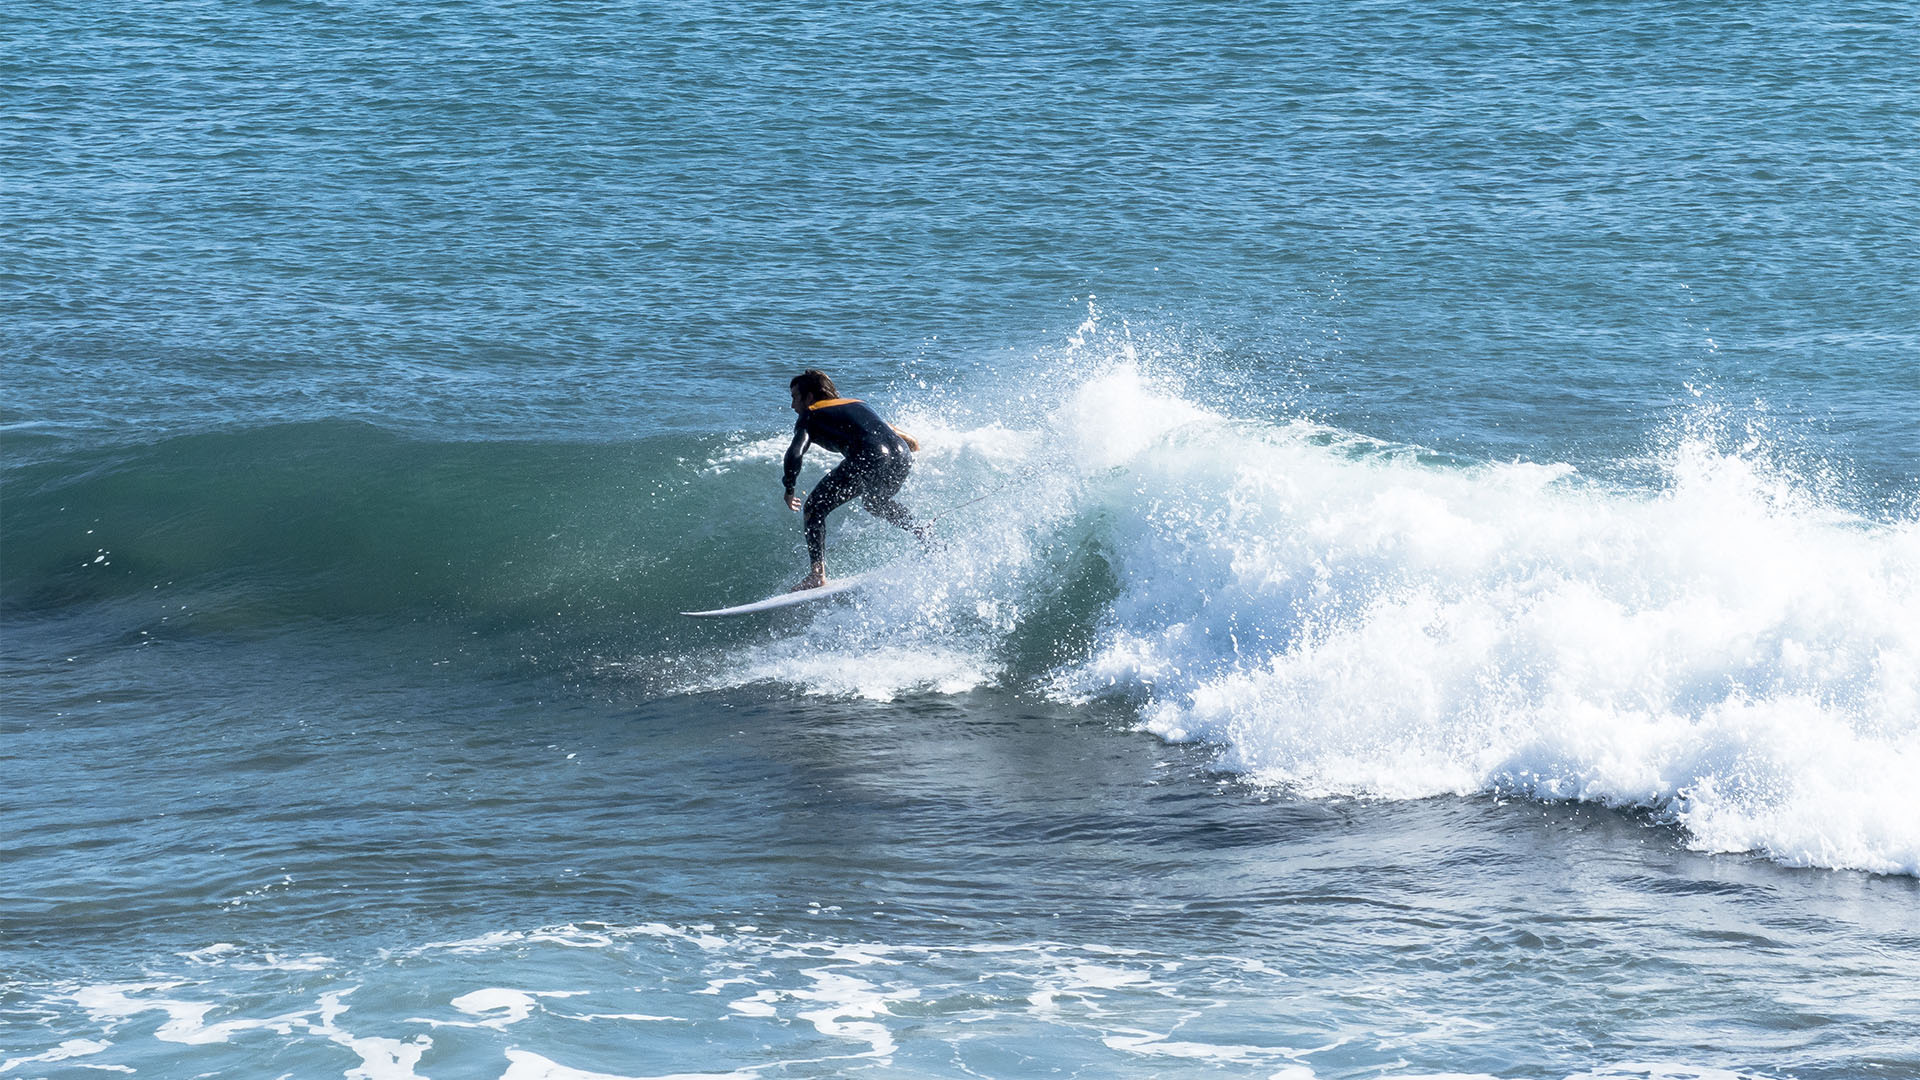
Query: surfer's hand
(913, 444)
(793, 501)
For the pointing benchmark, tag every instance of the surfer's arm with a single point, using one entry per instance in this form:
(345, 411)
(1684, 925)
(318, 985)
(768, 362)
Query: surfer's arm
(913, 444)
(791, 472)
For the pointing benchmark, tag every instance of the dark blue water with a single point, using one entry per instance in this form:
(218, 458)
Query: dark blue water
(1429, 496)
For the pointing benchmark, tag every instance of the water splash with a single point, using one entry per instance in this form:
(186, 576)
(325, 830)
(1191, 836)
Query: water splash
(1723, 648)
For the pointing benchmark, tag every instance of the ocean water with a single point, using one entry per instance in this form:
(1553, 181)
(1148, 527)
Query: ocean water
(1429, 493)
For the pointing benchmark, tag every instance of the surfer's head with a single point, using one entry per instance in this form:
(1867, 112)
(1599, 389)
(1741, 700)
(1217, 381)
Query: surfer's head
(810, 386)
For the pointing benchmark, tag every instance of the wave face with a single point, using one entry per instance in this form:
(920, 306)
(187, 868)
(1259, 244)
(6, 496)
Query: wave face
(1723, 649)
(251, 528)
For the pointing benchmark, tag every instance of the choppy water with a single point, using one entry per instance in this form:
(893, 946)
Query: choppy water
(1432, 581)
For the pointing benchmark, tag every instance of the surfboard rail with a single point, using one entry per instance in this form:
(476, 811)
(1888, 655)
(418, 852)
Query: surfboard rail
(836, 587)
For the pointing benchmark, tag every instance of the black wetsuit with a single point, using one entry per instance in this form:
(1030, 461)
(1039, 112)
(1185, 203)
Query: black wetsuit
(877, 463)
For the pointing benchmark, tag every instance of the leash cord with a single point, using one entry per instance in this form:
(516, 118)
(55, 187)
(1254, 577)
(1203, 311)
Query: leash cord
(1027, 474)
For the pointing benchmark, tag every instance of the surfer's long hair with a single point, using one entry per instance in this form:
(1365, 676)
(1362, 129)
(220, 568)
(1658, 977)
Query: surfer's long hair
(814, 385)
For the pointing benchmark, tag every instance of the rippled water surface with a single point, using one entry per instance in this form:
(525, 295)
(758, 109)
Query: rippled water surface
(1428, 497)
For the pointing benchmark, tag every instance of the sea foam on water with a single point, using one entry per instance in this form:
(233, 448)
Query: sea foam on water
(1343, 617)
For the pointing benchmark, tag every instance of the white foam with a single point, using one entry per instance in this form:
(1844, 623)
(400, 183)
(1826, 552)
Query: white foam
(1727, 649)
(497, 1007)
(67, 1051)
(572, 937)
(1721, 651)
(526, 1065)
(1156, 1045)
(754, 450)
(380, 1058)
(1657, 1071)
(224, 954)
(849, 992)
(845, 1005)
(762, 1003)
(112, 1003)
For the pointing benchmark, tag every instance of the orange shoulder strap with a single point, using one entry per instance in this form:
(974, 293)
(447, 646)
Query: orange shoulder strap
(833, 401)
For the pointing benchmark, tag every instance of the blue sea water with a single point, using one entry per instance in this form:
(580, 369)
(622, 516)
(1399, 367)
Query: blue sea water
(1430, 498)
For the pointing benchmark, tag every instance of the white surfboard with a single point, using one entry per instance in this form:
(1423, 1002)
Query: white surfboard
(788, 599)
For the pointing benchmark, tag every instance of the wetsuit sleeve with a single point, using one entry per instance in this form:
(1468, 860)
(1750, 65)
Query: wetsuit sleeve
(794, 453)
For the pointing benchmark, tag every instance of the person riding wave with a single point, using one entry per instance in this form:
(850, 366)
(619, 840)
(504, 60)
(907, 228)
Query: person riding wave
(876, 460)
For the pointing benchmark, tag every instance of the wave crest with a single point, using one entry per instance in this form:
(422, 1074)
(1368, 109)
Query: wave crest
(1344, 617)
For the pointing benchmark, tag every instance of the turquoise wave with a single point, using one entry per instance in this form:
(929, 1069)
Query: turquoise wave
(335, 519)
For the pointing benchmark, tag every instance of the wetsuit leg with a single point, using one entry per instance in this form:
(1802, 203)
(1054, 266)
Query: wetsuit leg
(877, 495)
(876, 480)
(839, 485)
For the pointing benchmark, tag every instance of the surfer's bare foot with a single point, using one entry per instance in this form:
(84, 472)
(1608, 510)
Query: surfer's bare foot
(811, 581)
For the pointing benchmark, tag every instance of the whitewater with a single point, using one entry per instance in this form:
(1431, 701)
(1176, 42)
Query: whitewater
(1340, 617)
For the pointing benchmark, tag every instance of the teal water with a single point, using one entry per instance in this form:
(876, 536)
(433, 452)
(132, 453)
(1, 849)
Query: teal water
(1429, 496)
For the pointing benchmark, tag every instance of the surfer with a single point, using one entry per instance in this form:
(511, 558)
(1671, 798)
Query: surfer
(877, 457)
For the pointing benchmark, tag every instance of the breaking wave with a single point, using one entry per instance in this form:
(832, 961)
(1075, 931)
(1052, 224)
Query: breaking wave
(1723, 649)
